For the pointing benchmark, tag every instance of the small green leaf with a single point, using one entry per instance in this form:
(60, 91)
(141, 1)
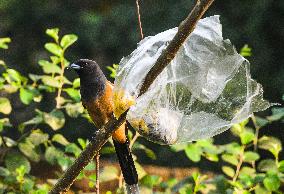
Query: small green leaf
(55, 119)
(37, 137)
(90, 166)
(50, 81)
(267, 165)
(3, 42)
(74, 110)
(271, 144)
(5, 106)
(26, 96)
(261, 122)
(113, 70)
(245, 51)
(151, 180)
(272, 182)
(54, 49)
(14, 160)
(82, 143)
(52, 155)
(60, 139)
(30, 150)
(247, 171)
(73, 93)
(232, 159)
(178, 147)
(49, 67)
(281, 166)
(53, 33)
(246, 137)
(228, 171)
(68, 40)
(251, 156)
(277, 114)
(73, 149)
(76, 83)
(193, 152)
(28, 185)
(64, 162)
(140, 170)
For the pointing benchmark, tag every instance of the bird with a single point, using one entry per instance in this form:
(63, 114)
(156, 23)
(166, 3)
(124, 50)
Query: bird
(96, 96)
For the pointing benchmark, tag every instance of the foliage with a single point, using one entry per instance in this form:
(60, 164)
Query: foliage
(244, 171)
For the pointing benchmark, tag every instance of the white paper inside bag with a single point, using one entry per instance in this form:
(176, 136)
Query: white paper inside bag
(205, 89)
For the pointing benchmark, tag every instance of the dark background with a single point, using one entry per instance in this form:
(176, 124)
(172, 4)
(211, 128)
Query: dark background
(108, 30)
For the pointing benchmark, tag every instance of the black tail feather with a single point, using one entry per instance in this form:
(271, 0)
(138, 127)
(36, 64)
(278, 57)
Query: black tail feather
(126, 162)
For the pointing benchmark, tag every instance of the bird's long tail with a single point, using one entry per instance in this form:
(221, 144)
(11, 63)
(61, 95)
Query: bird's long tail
(126, 162)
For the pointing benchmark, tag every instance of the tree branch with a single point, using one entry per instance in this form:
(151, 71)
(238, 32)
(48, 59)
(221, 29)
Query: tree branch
(102, 135)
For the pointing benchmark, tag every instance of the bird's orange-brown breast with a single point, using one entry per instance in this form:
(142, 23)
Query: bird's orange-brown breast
(101, 109)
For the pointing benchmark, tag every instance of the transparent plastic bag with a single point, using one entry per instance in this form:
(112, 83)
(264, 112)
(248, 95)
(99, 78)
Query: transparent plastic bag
(204, 91)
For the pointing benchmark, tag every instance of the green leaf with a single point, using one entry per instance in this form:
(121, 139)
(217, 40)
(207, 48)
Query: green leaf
(60, 139)
(68, 40)
(14, 160)
(178, 147)
(55, 119)
(267, 165)
(64, 162)
(14, 76)
(272, 182)
(73, 93)
(34, 121)
(228, 171)
(109, 173)
(232, 148)
(50, 81)
(74, 110)
(90, 166)
(82, 143)
(193, 152)
(49, 67)
(251, 156)
(26, 96)
(247, 171)
(271, 144)
(37, 137)
(30, 150)
(54, 49)
(246, 137)
(140, 170)
(76, 83)
(260, 190)
(5, 106)
(3, 42)
(73, 149)
(245, 51)
(113, 70)
(53, 33)
(281, 166)
(52, 155)
(232, 159)
(277, 114)
(27, 185)
(151, 180)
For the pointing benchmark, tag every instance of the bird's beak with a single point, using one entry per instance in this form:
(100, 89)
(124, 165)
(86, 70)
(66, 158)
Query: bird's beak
(74, 66)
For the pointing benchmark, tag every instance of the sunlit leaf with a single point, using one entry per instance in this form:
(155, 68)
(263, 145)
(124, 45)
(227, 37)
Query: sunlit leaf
(52, 155)
(54, 49)
(53, 33)
(26, 95)
(193, 152)
(232, 159)
(50, 81)
(30, 150)
(5, 105)
(49, 67)
(271, 144)
(3, 42)
(55, 119)
(60, 139)
(76, 83)
(73, 93)
(251, 156)
(74, 110)
(267, 165)
(246, 137)
(68, 40)
(228, 171)
(272, 182)
(38, 137)
(73, 149)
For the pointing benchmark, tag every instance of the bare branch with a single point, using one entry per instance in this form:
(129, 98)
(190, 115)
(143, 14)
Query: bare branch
(100, 138)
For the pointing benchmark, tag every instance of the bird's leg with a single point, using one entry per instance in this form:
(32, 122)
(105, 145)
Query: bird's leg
(97, 173)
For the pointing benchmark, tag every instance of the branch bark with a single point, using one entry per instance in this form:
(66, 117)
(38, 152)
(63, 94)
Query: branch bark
(102, 135)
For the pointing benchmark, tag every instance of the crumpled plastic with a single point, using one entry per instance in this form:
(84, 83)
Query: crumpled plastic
(204, 91)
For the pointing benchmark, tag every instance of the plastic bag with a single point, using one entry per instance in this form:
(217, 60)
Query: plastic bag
(204, 91)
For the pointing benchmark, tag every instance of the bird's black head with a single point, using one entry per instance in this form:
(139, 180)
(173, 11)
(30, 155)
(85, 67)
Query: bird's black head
(92, 78)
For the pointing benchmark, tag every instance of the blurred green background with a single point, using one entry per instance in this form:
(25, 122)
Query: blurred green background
(108, 30)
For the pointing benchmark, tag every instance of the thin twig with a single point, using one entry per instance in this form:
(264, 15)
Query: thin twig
(98, 173)
(239, 165)
(102, 135)
(58, 103)
(255, 140)
(139, 19)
